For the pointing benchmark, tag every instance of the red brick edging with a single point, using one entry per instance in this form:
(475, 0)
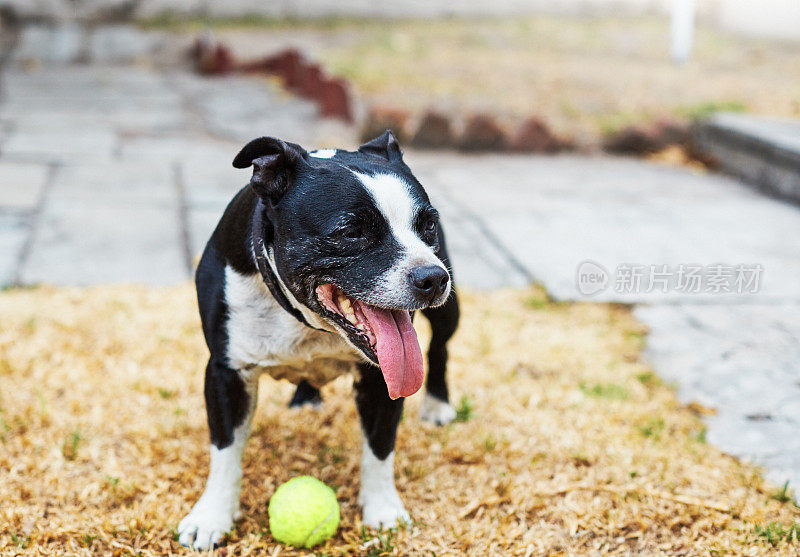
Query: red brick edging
(302, 77)
(480, 132)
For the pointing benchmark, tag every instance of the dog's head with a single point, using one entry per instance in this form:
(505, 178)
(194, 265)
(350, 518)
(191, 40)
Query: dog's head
(354, 243)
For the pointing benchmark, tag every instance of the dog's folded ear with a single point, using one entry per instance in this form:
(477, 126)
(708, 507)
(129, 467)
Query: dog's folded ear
(274, 162)
(385, 146)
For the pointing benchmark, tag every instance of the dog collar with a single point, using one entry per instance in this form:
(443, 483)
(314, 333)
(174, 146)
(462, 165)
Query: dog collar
(258, 234)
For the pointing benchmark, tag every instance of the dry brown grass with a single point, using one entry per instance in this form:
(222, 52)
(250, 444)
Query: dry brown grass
(573, 446)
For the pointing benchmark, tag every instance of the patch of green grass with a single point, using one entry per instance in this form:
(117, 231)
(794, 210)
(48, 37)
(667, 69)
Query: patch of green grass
(652, 428)
(378, 545)
(706, 109)
(70, 446)
(639, 338)
(538, 457)
(112, 482)
(464, 412)
(536, 302)
(784, 494)
(22, 542)
(166, 394)
(610, 391)
(88, 540)
(774, 532)
(489, 443)
(700, 436)
(539, 298)
(415, 471)
(336, 455)
(612, 122)
(648, 378)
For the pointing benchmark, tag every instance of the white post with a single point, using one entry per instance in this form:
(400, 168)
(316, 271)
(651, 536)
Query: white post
(681, 30)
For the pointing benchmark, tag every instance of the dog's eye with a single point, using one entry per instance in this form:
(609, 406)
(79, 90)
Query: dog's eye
(428, 230)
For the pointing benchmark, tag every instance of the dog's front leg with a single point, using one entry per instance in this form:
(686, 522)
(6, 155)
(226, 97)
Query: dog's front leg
(230, 401)
(380, 416)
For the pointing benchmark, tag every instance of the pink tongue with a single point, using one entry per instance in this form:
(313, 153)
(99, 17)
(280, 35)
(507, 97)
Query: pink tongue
(398, 350)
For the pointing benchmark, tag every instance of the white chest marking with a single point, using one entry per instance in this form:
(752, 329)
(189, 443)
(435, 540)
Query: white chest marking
(264, 337)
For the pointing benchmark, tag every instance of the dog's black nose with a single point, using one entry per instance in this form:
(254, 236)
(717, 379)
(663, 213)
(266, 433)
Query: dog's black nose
(429, 281)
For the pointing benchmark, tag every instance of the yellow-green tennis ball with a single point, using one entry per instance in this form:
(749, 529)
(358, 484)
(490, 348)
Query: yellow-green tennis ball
(303, 512)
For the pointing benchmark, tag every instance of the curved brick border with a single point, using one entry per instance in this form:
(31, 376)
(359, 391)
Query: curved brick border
(483, 132)
(478, 132)
(299, 75)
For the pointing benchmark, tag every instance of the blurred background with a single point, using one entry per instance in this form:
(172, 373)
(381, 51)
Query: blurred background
(578, 144)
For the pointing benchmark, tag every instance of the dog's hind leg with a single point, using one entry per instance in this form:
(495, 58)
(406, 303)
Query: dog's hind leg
(436, 407)
(380, 416)
(304, 394)
(230, 401)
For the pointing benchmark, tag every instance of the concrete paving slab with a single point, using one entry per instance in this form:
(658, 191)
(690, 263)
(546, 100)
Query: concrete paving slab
(555, 213)
(213, 181)
(128, 121)
(49, 44)
(13, 232)
(21, 184)
(175, 148)
(118, 44)
(97, 143)
(202, 222)
(119, 181)
(85, 242)
(741, 360)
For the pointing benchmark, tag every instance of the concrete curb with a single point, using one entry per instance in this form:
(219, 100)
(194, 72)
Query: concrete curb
(763, 152)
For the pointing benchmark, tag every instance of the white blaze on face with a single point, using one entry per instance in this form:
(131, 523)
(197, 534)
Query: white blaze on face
(393, 197)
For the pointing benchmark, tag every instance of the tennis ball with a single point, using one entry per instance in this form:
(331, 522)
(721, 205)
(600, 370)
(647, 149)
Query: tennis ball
(303, 512)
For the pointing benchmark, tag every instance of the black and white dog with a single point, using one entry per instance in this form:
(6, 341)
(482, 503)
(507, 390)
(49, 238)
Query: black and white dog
(315, 270)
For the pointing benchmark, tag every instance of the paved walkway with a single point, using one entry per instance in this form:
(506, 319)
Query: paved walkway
(738, 353)
(111, 174)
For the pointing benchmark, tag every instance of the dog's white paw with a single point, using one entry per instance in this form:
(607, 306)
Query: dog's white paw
(436, 411)
(384, 511)
(204, 527)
